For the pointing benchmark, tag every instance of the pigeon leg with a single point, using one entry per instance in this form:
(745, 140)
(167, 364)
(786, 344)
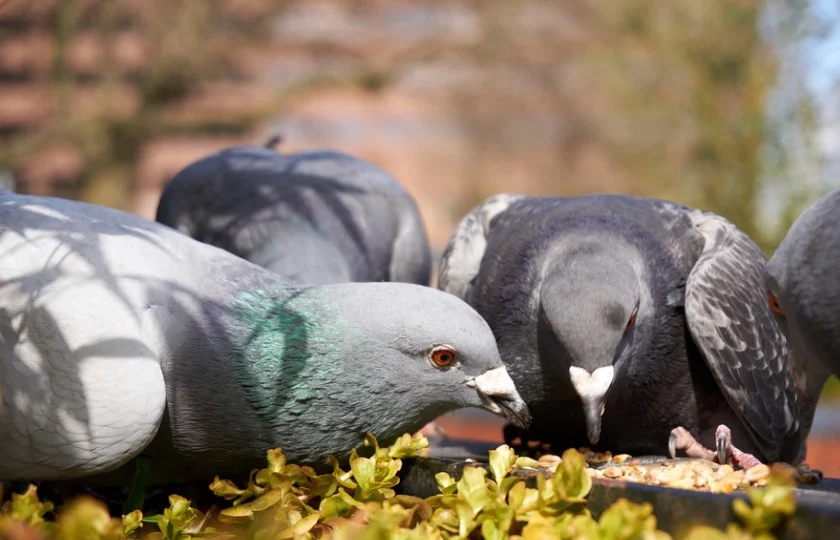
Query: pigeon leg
(511, 433)
(137, 494)
(725, 449)
(681, 439)
(433, 432)
(808, 475)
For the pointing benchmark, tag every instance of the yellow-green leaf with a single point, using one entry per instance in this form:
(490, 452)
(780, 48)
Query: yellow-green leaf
(267, 500)
(276, 459)
(241, 511)
(526, 463)
(302, 526)
(446, 484)
(131, 522)
(473, 489)
(225, 488)
(501, 462)
(364, 470)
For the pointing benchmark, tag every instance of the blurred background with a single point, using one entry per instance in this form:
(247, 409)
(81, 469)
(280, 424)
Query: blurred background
(729, 105)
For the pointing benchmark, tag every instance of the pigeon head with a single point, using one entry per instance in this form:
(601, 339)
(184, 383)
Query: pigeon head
(384, 358)
(590, 310)
(433, 346)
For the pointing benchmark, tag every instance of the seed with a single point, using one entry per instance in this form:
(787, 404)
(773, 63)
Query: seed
(722, 486)
(621, 458)
(635, 474)
(682, 483)
(734, 478)
(599, 458)
(724, 471)
(684, 467)
(757, 473)
(549, 460)
(638, 471)
(612, 472)
(701, 468)
(669, 476)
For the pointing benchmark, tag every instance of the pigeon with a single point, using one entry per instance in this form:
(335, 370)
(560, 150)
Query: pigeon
(803, 288)
(630, 324)
(123, 338)
(314, 217)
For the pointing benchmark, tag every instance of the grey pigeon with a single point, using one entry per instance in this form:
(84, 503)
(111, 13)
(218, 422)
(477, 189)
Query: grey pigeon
(313, 217)
(629, 324)
(804, 288)
(121, 336)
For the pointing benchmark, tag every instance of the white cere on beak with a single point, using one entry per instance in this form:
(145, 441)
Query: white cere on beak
(591, 386)
(499, 395)
(592, 389)
(495, 382)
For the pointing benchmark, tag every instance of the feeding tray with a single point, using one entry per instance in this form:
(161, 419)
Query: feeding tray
(677, 510)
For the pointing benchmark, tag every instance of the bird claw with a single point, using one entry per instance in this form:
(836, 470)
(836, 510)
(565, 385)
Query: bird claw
(672, 444)
(723, 440)
(681, 439)
(728, 453)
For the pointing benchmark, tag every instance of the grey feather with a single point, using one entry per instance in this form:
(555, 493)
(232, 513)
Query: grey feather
(803, 275)
(120, 336)
(558, 278)
(313, 217)
(733, 324)
(461, 258)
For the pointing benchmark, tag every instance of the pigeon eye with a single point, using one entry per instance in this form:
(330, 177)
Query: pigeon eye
(443, 356)
(631, 322)
(774, 303)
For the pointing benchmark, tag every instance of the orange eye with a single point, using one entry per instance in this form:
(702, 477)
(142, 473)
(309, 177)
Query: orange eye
(443, 356)
(774, 303)
(631, 322)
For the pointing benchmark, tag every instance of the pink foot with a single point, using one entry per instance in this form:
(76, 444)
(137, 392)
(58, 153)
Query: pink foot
(433, 432)
(725, 448)
(681, 439)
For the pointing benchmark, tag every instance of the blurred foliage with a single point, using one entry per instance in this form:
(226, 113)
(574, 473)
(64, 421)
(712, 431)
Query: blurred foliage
(285, 501)
(672, 97)
(665, 99)
(831, 390)
(186, 43)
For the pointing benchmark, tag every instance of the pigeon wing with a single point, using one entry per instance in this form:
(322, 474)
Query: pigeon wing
(462, 256)
(731, 321)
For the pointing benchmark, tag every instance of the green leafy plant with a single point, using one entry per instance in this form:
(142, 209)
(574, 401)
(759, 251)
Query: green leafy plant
(287, 501)
(766, 510)
(28, 508)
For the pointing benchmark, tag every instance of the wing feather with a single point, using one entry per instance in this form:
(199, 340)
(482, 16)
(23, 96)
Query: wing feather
(462, 256)
(732, 323)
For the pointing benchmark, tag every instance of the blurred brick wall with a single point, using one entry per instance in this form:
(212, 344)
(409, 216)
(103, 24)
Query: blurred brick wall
(409, 127)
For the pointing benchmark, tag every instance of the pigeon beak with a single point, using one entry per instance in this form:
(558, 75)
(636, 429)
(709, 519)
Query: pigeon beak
(592, 389)
(499, 395)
